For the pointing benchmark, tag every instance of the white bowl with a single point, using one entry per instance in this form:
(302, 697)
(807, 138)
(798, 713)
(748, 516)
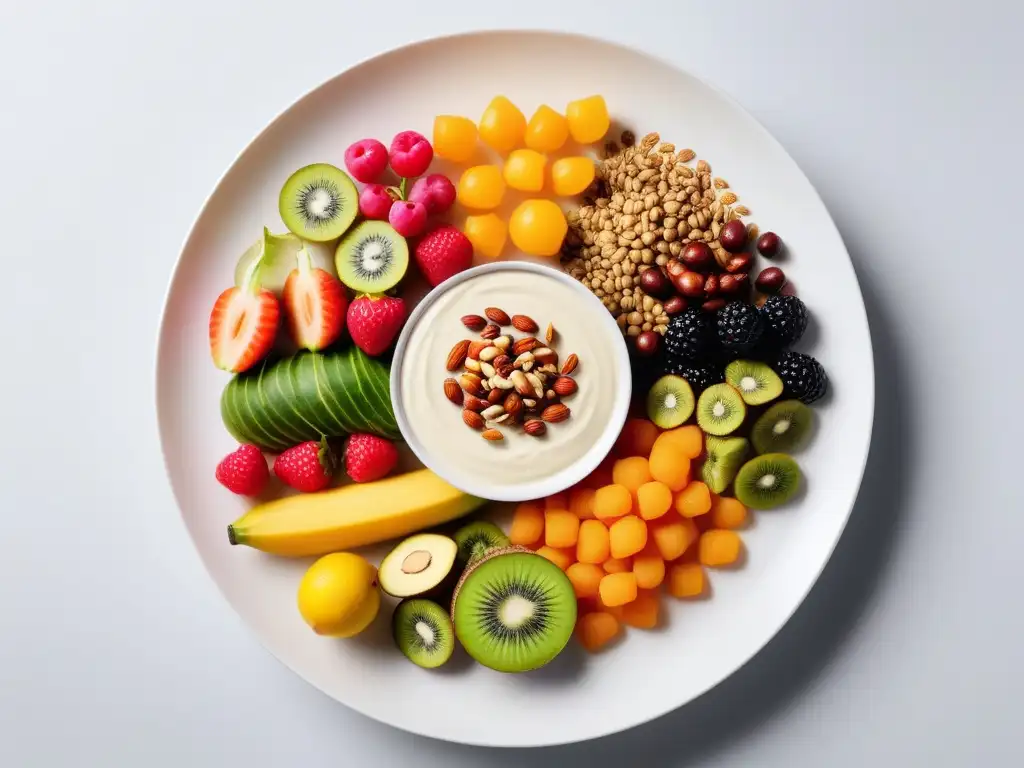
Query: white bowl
(457, 453)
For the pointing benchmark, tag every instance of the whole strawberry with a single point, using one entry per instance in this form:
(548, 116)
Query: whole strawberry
(243, 471)
(374, 322)
(369, 458)
(307, 467)
(443, 252)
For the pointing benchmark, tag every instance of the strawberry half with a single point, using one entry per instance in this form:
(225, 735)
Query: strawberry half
(243, 325)
(315, 305)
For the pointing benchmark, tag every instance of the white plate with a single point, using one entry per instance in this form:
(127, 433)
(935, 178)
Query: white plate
(594, 425)
(577, 697)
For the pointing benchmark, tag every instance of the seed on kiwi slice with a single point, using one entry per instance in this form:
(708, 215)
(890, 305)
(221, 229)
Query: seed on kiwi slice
(756, 382)
(319, 202)
(782, 428)
(372, 258)
(720, 410)
(423, 632)
(670, 401)
(723, 460)
(767, 481)
(477, 539)
(514, 610)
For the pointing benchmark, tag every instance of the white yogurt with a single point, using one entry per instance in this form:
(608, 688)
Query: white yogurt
(520, 466)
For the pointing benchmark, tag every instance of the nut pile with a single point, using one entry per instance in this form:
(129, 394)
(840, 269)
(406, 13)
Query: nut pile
(508, 382)
(648, 205)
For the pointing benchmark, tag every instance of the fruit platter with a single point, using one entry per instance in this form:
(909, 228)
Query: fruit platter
(481, 406)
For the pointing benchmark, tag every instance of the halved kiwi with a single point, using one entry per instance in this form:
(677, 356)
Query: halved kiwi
(514, 610)
(756, 382)
(720, 410)
(372, 258)
(319, 202)
(767, 481)
(423, 632)
(782, 428)
(418, 565)
(670, 402)
(477, 539)
(723, 460)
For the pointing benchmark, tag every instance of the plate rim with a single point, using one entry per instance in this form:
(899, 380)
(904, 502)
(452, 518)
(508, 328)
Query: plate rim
(538, 488)
(569, 37)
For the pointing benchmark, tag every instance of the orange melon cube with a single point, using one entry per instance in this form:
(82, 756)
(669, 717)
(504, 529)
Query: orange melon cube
(527, 524)
(581, 502)
(673, 536)
(616, 565)
(643, 611)
(617, 589)
(686, 580)
(727, 512)
(597, 629)
(649, 567)
(585, 578)
(668, 464)
(592, 545)
(563, 558)
(719, 547)
(653, 500)
(689, 440)
(636, 438)
(627, 536)
(612, 501)
(561, 528)
(694, 500)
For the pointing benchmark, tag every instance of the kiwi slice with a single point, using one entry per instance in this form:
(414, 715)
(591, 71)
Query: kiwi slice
(514, 610)
(723, 460)
(720, 410)
(477, 539)
(319, 202)
(756, 382)
(418, 565)
(782, 428)
(372, 258)
(767, 481)
(423, 632)
(670, 401)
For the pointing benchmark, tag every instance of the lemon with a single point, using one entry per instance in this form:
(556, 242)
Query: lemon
(338, 595)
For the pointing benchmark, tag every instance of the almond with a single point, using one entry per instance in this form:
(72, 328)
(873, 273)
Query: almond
(495, 395)
(524, 324)
(564, 386)
(490, 332)
(471, 383)
(549, 334)
(474, 322)
(555, 413)
(474, 403)
(475, 348)
(453, 391)
(535, 427)
(493, 435)
(525, 345)
(457, 356)
(473, 419)
(513, 403)
(498, 316)
(571, 363)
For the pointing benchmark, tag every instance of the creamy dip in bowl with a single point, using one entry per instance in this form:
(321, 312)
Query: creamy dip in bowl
(520, 466)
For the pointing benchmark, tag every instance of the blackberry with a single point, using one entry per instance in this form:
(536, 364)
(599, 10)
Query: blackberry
(690, 335)
(785, 320)
(802, 376)
(700, 376)
(739, 327)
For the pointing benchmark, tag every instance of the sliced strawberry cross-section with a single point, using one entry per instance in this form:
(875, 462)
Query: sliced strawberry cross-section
(243, 325)
(315, 305)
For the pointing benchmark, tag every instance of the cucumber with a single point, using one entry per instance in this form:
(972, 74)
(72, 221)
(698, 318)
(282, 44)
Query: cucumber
(309, 395)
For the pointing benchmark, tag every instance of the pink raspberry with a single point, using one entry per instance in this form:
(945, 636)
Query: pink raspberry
(366, 160)
(435, 191)
(409, 219)
(411, 154)
(375, 202)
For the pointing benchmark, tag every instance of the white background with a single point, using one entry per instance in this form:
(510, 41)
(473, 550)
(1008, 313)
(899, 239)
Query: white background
(117, 120)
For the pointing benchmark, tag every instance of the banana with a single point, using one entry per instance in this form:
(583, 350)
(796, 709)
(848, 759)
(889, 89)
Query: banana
(351, 516)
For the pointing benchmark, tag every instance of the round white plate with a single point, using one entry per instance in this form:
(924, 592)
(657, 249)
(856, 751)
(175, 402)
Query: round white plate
(702, 642)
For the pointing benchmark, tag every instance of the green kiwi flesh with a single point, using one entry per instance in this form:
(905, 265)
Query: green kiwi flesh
(670, 402)
(723, 460)
(372, 257)
(514, 610)
(477, 539)
(319, 202)
(782, 428)
(767, 481)
(423, 632)
(756, 382)
(720, 410)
